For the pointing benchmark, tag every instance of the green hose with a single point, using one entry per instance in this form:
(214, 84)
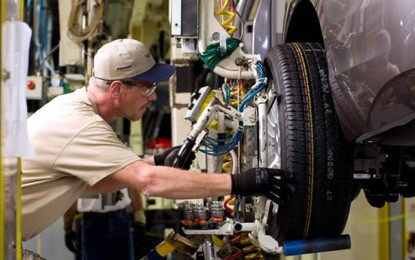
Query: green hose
(213, 55)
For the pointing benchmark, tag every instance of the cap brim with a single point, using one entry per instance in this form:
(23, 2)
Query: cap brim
(158, 73)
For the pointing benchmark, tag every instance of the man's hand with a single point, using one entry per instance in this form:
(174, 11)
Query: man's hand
(71, 241)
(167, 157)
(276, 184)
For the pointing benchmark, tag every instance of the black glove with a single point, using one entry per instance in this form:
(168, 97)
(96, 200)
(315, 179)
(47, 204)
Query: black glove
(71, 241)
(276, 184)
(167, 157)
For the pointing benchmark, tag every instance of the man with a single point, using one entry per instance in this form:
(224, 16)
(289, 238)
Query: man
(77, 150)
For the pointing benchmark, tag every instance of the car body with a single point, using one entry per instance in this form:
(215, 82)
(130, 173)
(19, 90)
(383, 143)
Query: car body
(369, 47)
(369, 53)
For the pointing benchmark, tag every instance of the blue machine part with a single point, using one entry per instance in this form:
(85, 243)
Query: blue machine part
(299, 247)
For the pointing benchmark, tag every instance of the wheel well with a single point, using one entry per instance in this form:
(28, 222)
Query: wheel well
(303, 24)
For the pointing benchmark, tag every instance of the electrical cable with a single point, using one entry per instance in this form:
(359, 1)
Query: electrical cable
(48, 54)
(236, 254)
(222, 146)
(75, 30)
(237, 91)
(226, 202)
(230, 29)
(41, 38)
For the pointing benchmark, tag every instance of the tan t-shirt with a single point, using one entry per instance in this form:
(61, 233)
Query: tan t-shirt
(74, 148)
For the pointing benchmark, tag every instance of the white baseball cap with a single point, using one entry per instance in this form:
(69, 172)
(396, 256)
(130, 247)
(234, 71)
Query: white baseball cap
(129, 59)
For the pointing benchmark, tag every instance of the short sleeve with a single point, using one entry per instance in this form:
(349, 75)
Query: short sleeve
(94, 153)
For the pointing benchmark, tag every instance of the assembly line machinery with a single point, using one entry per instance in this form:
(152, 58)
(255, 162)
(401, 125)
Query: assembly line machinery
(229, 124)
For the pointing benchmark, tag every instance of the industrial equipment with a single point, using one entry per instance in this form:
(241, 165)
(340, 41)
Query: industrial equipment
(225, 119)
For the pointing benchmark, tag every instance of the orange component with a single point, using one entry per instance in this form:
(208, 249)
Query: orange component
(186, 222)
(201, 222)
(218, 219)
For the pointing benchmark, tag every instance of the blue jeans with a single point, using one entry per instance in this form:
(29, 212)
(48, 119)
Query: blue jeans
(106, 236)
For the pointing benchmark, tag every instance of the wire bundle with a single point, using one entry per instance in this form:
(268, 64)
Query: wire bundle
(258, 87)
(227, 9)
(75, 30)
(233, 89)
(221, 146)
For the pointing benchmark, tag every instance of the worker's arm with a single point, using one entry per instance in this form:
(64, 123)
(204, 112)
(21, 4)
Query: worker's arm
(165, 182)
(173, 183)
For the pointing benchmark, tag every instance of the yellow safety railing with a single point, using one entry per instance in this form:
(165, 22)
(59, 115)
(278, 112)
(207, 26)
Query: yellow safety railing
(384, 233)
(19, 212)
(2, 210)
(405, 234)
(19, 179)
(3, 12)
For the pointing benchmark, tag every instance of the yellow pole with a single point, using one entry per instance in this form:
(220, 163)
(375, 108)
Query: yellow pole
(3, 10)
(19, 211)
(2, 210)
(18, 179)
(384, 233)
(405, 234)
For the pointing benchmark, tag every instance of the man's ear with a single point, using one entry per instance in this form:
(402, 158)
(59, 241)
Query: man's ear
(115, 89)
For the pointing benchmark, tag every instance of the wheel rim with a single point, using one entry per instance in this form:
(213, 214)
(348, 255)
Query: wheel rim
(274, 137)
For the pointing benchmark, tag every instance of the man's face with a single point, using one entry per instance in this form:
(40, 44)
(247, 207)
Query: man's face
(136, 97)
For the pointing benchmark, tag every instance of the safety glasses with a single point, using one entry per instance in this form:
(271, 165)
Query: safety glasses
(147, 87)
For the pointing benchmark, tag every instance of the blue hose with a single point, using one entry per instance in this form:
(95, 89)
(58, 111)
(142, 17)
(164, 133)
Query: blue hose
(299, 247)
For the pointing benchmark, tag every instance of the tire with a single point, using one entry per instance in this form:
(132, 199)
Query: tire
(306, 139)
